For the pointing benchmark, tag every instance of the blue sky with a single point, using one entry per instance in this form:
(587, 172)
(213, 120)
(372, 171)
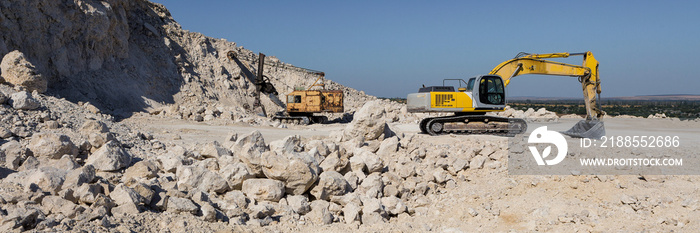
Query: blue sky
(390, 48)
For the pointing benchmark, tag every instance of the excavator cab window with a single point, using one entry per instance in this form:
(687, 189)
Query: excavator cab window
(470, 84)
(491, 90)
(292, 99)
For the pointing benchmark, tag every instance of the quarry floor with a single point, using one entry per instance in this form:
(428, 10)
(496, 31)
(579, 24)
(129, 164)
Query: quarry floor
(490, 199)
(201, 132)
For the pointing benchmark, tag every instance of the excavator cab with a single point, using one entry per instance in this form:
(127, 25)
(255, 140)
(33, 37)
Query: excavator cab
(491, 90)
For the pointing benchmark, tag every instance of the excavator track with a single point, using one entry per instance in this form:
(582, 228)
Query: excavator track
(301, 120)
(473, 124)
(422, 125)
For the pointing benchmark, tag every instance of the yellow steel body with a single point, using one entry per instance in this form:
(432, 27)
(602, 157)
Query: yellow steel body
(454, 100)
(316, 101)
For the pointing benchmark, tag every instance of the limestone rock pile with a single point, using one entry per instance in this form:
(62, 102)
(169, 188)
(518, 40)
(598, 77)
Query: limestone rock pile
(541, 115)
(62, 174)
(132, 56)
(657, 115)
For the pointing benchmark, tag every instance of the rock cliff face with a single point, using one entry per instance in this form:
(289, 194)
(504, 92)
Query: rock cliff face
(130, 55)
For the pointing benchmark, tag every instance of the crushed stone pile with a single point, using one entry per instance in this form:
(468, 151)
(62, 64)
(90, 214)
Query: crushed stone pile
(530, 115)
(66, 166)
(657, 115)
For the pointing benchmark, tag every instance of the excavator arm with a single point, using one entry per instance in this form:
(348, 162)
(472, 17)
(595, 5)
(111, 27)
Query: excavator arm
(262, 83)
(535, 64)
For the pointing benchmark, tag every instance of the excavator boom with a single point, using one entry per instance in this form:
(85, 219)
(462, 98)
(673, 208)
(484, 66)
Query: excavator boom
(534, 64)
(262, 85)
(587, 74)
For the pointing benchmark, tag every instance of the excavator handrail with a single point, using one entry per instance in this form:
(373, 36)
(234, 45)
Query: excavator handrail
(322, 85)
(547, 55)
(455, 79)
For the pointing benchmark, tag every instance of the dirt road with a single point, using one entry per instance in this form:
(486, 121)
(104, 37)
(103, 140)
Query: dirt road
(201, 132)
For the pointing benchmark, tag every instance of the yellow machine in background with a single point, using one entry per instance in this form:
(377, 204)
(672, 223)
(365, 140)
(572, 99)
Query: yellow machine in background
(302, 104)
(486, 93)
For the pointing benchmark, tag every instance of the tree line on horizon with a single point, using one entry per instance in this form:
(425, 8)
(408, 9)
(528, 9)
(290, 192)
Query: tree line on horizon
(684, 109)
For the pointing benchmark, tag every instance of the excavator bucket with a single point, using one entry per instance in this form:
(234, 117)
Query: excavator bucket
(587, 129)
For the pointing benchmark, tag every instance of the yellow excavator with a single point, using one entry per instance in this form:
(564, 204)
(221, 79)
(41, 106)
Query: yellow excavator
(486, 93)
